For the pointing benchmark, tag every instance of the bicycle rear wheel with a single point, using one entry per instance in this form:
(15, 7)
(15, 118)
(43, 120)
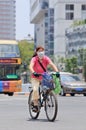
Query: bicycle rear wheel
(51, 106)
(34, 115)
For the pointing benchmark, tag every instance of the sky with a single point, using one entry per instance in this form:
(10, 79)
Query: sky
(23, 25)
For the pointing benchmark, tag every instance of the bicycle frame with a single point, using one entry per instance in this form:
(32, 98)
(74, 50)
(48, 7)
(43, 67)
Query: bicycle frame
(43, 96)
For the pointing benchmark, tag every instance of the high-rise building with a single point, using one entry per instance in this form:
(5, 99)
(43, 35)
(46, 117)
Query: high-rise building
(65, 12)
(43, 18)
(7, 19)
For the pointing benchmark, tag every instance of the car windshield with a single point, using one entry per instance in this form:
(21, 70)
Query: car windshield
(69, 78)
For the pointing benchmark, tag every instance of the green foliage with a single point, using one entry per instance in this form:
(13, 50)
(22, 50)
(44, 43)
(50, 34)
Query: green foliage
(81, 51)
(68, 65)
(26, 51)
(71, 65)
(61, 60)
(82, 58)
(79, 22)
(84, 71)
(84, 64)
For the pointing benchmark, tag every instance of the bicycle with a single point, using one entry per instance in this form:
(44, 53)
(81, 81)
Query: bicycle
(47, 99)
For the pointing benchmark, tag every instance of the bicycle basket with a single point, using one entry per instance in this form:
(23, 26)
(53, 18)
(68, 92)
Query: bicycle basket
(47, 81)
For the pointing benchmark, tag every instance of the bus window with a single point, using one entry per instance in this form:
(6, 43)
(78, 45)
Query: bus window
(8, 50)
(9, 70)
(1, 72)
(5, 70)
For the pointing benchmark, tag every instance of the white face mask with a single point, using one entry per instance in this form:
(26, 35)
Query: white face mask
(40, 54)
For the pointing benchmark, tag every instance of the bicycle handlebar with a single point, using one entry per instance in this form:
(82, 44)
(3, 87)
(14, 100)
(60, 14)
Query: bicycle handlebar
(51, 73)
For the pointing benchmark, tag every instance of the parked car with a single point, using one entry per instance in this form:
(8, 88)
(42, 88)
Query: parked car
(71, 84)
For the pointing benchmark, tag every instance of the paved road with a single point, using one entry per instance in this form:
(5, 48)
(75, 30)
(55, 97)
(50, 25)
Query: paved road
(14, 114)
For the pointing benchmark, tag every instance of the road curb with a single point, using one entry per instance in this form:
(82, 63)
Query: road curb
(21, 93)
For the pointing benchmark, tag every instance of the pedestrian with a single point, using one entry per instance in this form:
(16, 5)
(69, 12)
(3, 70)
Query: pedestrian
(39, 64)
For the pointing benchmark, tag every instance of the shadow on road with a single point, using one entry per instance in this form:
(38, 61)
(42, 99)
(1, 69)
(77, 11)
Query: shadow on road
(40, 120)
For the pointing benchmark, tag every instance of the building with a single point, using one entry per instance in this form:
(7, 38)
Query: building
(43, 18)
(65, 13)
(7, 19)
(75, 39)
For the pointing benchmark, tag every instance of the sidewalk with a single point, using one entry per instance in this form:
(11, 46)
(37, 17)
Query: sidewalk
(21, 93)
(26, 88)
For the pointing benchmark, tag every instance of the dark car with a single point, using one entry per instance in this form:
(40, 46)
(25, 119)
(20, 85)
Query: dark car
(71, 84)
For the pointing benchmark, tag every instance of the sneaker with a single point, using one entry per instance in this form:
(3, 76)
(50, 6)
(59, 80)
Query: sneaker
(35, 109)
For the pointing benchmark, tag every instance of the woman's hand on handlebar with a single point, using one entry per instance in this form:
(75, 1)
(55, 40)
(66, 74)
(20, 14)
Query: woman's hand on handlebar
(36, 74)
(57, 74)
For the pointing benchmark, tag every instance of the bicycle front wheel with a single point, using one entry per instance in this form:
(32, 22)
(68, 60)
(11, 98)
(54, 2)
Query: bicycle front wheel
(34, 115)
(51, 106)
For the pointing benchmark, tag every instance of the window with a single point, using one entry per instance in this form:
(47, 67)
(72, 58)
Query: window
(69, 16)
(51, 29)
(51, 52)
(7, 50)
(69, 7)
(44, 5)
(51, 45)
(51, 37)
(51, 21)
(46, 24)
(46, 37)
(46, 40)
(46, 32)
(5, 70)
(83, 7)
(46, 14)
(51, 12)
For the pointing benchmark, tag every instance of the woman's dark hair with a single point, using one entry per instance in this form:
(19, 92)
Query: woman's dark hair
(35, 53)
(39, 47)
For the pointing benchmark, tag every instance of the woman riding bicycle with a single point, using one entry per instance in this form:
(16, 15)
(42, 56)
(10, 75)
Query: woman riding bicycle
(39, 64)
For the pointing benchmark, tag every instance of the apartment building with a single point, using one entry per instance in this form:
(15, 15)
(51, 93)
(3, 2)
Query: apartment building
(7, 19)
(65, 12)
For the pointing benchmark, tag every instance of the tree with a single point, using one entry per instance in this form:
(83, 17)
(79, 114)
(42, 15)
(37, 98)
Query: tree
(80, 51)
(68, 65)
(74, 65)
(82, 57)
(84, 64)
(26, 52)
(71, 64)
(61, 63)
